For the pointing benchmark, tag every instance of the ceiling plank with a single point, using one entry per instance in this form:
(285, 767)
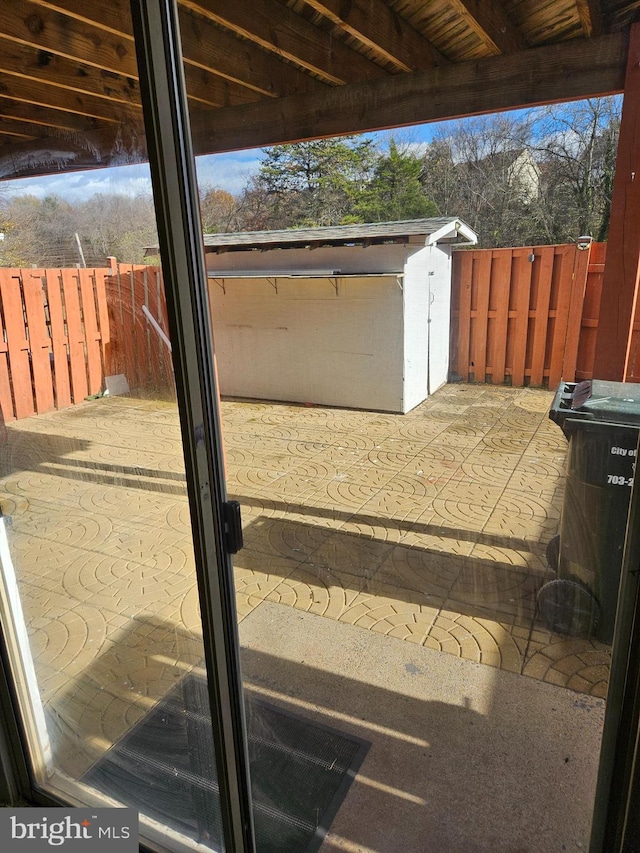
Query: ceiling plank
(7, 133)
(214, 49)
(205, 46)
(280, 30)
(211, 89)
(590, 13)
(490, 22)
(113, 15)
(30, 63)
(377, 25)
(568, 71)
(47, 117)
(19, 128)
(67, 100)
(45, 29)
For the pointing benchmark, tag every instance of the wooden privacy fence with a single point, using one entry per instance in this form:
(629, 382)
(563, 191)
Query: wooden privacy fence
(526, 316)
(138, 345)
(65, 330)
(54, 326)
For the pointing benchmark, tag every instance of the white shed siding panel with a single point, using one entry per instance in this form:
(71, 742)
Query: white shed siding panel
(416, 312)
(440, 313)
(304, 343)
(427, 299)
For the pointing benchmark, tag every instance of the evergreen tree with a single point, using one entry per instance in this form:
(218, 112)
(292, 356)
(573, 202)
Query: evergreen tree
(313, 183)
(395, 191)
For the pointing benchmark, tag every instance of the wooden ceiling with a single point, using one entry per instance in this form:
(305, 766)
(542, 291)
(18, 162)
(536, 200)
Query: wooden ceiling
(260, 72)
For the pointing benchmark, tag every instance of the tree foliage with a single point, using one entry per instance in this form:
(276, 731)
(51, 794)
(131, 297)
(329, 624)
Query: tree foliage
(395, 191)
(311, 183)
(543, 176)
(42, 232)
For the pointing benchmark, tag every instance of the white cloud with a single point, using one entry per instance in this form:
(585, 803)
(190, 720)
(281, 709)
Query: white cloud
(230, 172)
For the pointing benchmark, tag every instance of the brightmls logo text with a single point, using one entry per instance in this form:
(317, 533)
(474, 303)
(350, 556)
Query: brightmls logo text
(35, 830)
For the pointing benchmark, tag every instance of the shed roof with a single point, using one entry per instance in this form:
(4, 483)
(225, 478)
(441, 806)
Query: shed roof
(434, 230)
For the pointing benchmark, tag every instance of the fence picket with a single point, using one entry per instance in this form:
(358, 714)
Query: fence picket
(17, 343)
(59, 340)
(91, 330)
(574, 314)
(564, 265)
(500, 287)
(39, 340)
(482, 274)
(464, 317)
(521, 287)
(75, 333)
(543, 270)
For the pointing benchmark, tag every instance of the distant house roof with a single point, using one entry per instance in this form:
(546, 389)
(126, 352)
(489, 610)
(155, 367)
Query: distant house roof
(434, 230)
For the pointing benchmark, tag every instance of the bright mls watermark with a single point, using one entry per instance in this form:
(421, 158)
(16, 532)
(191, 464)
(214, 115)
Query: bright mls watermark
(80, 830)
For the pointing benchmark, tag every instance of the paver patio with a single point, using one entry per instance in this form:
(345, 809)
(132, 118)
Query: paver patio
(428, 527)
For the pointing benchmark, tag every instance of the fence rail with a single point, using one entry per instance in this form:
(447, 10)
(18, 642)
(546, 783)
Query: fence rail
(527, 316)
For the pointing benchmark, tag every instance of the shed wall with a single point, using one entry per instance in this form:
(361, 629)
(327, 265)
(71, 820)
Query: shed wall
(304, 343)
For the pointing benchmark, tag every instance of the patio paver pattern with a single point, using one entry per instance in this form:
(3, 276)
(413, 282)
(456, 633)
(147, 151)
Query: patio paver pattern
(428, 527)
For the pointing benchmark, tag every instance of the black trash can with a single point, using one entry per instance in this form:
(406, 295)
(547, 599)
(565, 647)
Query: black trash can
(600, 421)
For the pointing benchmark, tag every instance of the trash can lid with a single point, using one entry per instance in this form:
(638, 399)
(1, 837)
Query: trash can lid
(597, 399)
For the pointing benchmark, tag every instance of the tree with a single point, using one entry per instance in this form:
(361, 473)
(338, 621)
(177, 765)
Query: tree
(480, 169)
(42, 232)
(311, 183)
(395, 191)
(116, 225)
(219, 211)
(576, 145)
(541, 176)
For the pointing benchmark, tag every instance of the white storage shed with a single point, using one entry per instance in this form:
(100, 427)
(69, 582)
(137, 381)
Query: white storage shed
(354, 315)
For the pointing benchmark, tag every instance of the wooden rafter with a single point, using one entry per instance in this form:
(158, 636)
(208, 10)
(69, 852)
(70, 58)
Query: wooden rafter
(379, 27)
(270, 71)
(279, 30)
(590, 13)
(491, 23)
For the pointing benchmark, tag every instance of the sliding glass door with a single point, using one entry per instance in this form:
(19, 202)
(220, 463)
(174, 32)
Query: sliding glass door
(116, 600)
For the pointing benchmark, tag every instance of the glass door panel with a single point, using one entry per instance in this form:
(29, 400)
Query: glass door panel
(98, 589)
(416, 641)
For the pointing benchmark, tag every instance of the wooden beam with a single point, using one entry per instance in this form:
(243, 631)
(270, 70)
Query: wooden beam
(46, 29)
(49, 118)
(380, 27)
(281, 31)
(28, 62)
(590, 14)
(490, 22)
(240, 61)
(622, 268)
(569, 71)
